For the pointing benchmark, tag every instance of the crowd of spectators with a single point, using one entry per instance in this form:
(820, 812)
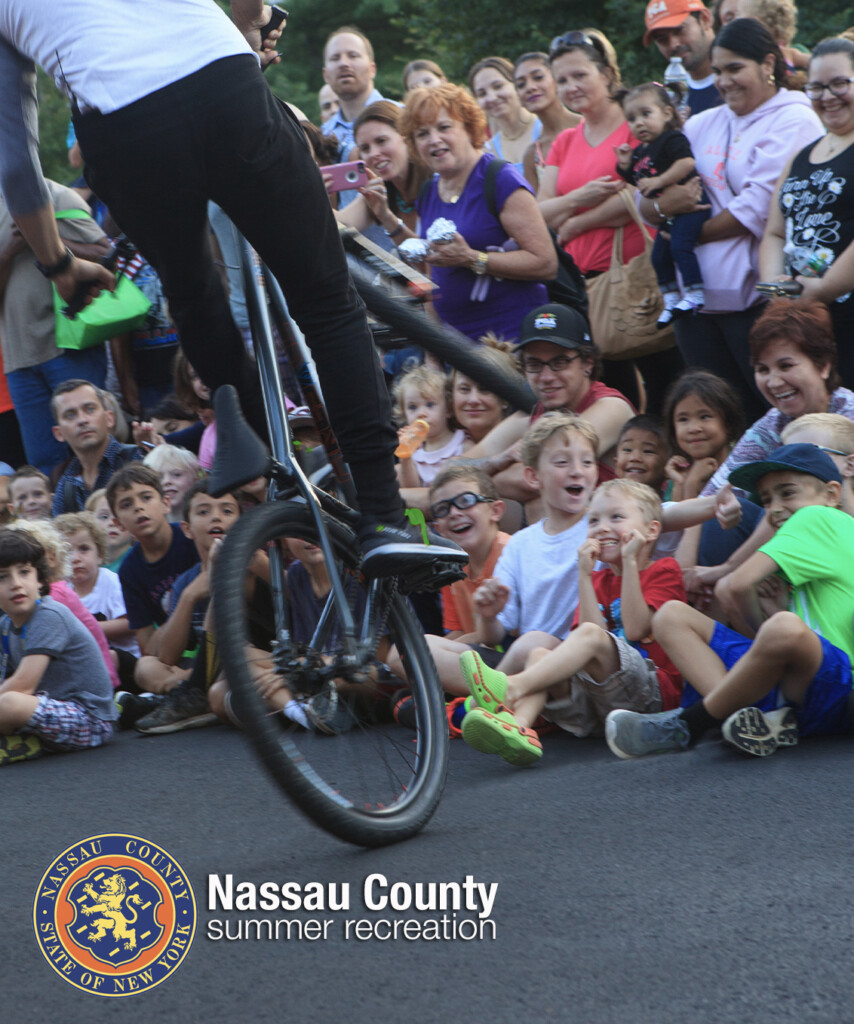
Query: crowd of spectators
(641, 502)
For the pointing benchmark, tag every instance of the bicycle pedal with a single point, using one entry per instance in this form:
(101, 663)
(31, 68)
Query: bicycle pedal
(431, 578)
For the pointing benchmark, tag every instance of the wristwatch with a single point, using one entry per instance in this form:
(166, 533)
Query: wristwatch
(63, 263)
(481, 264)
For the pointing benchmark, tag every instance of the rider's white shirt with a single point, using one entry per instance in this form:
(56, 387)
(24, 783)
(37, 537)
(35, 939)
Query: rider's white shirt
(109, 53)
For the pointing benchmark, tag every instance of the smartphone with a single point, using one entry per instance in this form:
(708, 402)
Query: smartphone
(344, 176)
(790, 288)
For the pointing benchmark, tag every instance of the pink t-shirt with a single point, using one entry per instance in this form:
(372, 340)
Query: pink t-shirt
(578, 162)
(62, 592)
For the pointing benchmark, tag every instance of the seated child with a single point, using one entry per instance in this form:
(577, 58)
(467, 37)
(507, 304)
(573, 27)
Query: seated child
(205, 521)
(55, 693)
(159, 556)
(784, 673)
(57, 553)
(308, 586)
(834, 434)
(119, 541)
(422, 394)
(534, 589)
(98, 588)
(179, 469)
(610, 659)
(641, 454)
(704, 419)
(465, 508)
(30, 494)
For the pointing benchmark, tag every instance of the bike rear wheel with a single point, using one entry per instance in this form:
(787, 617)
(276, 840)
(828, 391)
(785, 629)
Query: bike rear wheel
(375, 781)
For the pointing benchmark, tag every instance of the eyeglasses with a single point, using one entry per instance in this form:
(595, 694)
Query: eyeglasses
(838, 87)
(576, 39)
(556, 365)
(468, 499)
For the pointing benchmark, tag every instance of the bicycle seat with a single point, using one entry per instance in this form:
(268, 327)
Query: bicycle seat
(241, 455)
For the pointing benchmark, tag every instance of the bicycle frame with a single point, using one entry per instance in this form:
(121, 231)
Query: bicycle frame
(259, 285)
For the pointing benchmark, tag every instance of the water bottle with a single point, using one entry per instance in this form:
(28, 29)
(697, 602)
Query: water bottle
(676, 81)
(411, 437)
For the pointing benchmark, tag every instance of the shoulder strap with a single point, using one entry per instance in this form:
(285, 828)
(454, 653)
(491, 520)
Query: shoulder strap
(74, 214)
(489, 177)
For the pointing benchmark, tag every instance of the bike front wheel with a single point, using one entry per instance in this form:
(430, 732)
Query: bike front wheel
(358, 773)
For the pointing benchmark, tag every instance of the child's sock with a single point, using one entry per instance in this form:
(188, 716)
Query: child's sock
(699, 721)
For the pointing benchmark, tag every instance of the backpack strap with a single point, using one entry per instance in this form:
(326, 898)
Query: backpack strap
(490, 175)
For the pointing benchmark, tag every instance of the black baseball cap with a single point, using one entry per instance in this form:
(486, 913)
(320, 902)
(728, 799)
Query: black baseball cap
(797, 458)
(559, 324)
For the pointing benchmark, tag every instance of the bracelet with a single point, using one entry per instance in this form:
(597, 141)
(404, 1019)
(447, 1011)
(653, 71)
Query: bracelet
(657, 209)
(400, 227)
(62, 264)
(480, 266)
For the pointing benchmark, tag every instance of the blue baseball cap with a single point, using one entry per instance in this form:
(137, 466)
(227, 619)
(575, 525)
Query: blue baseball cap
(794, 458)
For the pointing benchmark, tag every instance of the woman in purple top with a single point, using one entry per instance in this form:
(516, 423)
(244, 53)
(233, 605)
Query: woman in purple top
(490, 273)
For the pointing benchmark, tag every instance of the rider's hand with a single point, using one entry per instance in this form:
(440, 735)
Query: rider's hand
(79, 272)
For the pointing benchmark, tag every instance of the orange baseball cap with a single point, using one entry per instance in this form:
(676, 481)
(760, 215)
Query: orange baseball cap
(668, 14)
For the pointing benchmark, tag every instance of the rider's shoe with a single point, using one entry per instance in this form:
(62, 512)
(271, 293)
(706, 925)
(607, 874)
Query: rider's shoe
(398, 549)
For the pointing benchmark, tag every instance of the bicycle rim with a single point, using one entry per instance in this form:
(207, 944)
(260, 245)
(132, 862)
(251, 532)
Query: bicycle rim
(374, 781)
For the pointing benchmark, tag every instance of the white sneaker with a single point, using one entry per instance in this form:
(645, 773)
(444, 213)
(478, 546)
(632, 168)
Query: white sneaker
(759, 733)
(691, 303)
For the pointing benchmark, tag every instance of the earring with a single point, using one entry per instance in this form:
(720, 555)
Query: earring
(772, 80)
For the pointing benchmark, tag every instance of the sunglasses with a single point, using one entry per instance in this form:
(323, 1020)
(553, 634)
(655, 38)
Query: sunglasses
(576, 39)
(468, 499)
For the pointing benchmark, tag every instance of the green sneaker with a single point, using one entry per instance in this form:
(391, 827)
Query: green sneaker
(487, 685)
(22, 747)
(500, 733)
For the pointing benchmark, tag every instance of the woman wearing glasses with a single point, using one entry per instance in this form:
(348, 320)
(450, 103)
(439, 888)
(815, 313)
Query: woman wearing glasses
(810, 232)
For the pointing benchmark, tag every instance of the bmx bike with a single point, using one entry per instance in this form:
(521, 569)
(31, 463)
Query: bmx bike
(359, 774)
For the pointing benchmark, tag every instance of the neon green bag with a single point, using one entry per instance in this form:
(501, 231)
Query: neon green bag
(108, 315)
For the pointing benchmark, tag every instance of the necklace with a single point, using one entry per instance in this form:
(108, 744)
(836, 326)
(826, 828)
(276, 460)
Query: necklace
(444, 195)
(401, 203)
(836, 143)
(512, 138)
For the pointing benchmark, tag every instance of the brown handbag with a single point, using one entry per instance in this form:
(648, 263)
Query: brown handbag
(625, 301)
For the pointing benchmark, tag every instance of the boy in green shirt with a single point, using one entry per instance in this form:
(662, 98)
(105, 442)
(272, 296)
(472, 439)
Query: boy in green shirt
(785, 673)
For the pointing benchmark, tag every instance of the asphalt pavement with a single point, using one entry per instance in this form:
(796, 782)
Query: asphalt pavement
(701, 887)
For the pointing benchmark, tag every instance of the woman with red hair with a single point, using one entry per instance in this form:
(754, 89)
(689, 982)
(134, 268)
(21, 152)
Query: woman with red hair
(489, 270)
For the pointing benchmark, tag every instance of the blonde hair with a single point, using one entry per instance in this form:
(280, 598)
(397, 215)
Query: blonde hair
(94, 498)
(780, 17)
(426, 382)
(839, 428)
(642, 495)
(171, 456)
(56, 547)
(546, 427)
(72, 522)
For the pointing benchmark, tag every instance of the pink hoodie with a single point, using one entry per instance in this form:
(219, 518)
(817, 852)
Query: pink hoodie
(740, 160)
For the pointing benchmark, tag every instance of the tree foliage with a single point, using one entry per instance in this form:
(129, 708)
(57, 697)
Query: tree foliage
(453, 33)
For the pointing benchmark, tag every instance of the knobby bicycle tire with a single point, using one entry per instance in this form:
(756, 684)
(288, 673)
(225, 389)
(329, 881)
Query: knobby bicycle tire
(443, 342)
(376, 783)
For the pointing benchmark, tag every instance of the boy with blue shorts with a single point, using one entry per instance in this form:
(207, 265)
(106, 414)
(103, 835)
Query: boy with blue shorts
(784, 673)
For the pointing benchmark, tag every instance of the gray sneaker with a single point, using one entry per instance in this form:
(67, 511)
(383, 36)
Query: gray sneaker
(182, 708)
(759, 733)
(630, 734)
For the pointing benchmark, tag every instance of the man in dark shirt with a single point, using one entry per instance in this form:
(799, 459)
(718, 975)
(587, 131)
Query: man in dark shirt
(84, 421)
(683, 28)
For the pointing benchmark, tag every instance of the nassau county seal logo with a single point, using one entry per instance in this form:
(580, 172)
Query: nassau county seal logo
(115, 915)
